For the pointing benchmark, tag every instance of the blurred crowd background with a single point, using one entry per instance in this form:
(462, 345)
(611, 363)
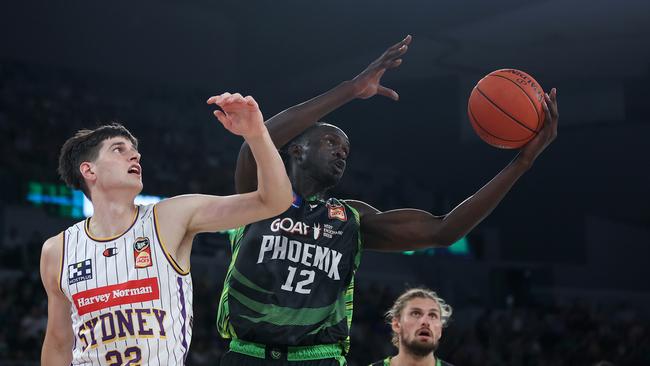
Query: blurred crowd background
(557, 275)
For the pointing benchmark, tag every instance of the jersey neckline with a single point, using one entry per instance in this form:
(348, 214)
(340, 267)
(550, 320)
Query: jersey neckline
(298, 200)
(101, 240)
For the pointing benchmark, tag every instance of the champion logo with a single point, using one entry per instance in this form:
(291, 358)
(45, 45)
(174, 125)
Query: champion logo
(109, 252)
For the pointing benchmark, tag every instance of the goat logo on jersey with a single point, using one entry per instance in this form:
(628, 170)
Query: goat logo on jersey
(80, 271)
(142, 253)
(317, 231)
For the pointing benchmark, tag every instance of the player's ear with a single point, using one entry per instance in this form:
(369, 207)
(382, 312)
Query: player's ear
(394, 324)
(87, 170)
(296, 151)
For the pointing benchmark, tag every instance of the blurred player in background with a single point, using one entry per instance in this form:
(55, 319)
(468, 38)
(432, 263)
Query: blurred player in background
(417, 318)
(118, 284)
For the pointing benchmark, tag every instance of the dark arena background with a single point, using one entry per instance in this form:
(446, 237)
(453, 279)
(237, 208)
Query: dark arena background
(558, 274)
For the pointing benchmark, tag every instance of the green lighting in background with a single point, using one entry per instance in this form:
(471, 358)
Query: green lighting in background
(56, 198)
(63, 201)
(461, 247)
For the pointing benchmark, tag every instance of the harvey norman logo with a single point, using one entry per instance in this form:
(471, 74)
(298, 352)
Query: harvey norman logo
(124, 293)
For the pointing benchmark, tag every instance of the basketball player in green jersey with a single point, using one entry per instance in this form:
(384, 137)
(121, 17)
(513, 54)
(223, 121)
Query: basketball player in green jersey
(417, 318)
(287, 297)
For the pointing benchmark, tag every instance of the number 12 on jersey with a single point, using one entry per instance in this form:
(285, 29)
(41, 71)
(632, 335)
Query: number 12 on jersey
(300, 286)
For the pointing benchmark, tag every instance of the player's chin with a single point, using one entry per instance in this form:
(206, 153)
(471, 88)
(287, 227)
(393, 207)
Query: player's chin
(334, 180)
(137, 186)
(337, 174)
(423, 347)
(331, 178)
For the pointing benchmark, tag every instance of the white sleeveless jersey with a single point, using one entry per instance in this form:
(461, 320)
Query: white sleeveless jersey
(131, 302)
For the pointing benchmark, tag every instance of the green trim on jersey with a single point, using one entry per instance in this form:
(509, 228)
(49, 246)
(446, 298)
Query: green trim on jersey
(349, 293)
(246, 282)
(236, 235)
(278, 315)
(226, 330)
(303, 353)
(386, 362)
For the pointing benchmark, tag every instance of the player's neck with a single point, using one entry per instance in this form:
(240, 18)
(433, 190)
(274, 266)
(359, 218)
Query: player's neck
(404, 358)
(111, 215)
(306, 186)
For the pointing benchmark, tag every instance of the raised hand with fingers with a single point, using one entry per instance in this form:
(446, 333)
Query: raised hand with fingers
(547, 134)
(368, 82)
(239, 115)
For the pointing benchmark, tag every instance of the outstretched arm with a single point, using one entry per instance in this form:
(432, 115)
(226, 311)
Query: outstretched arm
(203, 213)
(291, 122)
(408, 229)
(181, 218)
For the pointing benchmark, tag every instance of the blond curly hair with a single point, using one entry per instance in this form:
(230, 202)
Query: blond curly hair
(423, 293)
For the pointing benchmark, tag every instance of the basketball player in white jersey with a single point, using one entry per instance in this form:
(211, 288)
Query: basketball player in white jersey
(118, 284)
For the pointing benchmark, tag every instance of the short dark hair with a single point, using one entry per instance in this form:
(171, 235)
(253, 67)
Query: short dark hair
(84, 146)
(302, 139)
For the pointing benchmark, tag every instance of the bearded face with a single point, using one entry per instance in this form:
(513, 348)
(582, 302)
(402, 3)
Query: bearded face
(419, 326)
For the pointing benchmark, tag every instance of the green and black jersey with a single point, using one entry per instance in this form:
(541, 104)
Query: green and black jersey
(291, 277)
(386, 362)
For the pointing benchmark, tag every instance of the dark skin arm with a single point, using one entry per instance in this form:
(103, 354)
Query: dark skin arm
(289, 123)
(410, 229)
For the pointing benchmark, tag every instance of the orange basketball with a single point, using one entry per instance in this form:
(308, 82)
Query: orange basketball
(505, 108)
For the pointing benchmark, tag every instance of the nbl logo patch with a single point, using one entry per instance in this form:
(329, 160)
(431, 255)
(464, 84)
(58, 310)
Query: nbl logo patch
(336, 210)
(142, 253)
(80, 271)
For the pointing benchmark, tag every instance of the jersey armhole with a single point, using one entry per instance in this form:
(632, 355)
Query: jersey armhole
(63, 251)
(170, 258)
(235, 235)
(357, 218)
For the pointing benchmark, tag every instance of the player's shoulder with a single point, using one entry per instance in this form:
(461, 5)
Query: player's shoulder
(51, 254)
(172, 207)
(52, 246)
(445, 363)
(361, 207)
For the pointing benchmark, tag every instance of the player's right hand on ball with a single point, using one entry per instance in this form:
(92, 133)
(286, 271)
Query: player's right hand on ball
(547, 134)
(239, 115)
